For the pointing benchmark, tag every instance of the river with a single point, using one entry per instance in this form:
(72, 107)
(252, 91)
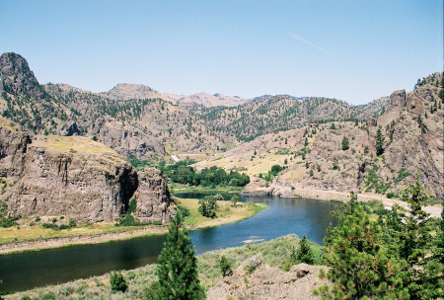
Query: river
(284, 216)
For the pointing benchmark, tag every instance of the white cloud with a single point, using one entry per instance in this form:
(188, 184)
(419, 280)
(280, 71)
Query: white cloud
(310, 43)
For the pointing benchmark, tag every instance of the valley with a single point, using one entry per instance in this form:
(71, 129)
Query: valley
(82, 168)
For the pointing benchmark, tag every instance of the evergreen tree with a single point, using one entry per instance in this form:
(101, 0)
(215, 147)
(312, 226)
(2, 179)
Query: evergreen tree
(360, 264)
(304, 254)
(380, 140)
(306, 142)
(345, 143)
(415, 244)
(177, 270)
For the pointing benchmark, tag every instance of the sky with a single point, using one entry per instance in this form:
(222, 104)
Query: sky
(356, 51)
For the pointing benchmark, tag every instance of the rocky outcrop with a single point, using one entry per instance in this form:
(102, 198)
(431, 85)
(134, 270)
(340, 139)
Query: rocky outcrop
(397, 98)
(265, 282)
(80, 179)
(16, 77)
(153, 197)
(13, 147)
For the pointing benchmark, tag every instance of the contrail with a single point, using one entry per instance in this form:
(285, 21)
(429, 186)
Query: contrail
(309, 43)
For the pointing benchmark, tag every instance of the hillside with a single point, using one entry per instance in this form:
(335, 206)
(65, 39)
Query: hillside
(412, 126)
(136, 120)
(274, 127)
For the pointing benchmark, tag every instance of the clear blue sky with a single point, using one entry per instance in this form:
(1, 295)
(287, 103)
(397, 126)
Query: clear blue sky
(356, 51)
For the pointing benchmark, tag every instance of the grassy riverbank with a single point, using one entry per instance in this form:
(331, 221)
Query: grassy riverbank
(274, 252)
(183, 188)
(26, 237)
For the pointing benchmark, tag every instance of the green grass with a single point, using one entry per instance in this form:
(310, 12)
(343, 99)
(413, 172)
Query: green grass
(274, 253)
(225, 212)
(183, 188)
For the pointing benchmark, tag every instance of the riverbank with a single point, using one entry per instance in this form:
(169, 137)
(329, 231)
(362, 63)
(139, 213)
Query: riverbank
(225, 215)
(259, 189)
(183, 188)
(273, 253)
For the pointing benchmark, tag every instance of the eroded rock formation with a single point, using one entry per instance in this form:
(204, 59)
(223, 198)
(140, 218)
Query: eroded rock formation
(78, 178)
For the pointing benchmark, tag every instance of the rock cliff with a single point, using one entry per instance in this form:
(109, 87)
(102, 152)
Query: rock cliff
(76, 177)
(153, 197)
(17, 78)
(265, 282)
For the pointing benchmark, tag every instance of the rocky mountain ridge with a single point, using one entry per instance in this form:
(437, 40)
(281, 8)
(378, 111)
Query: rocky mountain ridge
(149, 126)
(411, 126)
(146, 127)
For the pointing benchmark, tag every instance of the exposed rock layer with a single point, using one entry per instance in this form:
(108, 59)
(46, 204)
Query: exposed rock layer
(78, 178)
(268, 283)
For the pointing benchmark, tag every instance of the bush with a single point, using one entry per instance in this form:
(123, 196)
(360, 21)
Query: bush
(150, 291)
(225, 267)
(49, 296)
(72, 223)
(208, 207)
(183, 211)
(117, 282)
(128, 220)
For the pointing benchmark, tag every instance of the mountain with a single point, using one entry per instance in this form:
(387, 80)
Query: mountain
(17, 78)
(143, 127)
(411, 126)
(125, 91)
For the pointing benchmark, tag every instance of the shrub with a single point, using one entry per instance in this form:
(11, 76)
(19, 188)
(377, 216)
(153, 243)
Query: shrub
(225, 267)
(117, 282)
(49, 296)
(150, 291)
(183, 211)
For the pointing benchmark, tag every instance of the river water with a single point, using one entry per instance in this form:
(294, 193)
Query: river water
(283, 216)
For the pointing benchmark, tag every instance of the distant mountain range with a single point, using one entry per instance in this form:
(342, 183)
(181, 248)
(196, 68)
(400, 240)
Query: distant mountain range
(137, 121)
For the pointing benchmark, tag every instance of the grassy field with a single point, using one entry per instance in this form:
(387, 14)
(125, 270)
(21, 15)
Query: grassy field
(251, 166)
(26, 232)
(183, 188)
(274, 253)
(226, 213)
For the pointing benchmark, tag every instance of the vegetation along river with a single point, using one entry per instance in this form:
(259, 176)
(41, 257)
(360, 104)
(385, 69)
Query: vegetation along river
(283, 216)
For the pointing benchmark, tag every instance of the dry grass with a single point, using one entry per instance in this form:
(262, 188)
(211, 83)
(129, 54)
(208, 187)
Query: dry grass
(80, 145)
(7, 124)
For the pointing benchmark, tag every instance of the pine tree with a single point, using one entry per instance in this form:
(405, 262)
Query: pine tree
(379, 142)
(177, 270)
(360, 264)
(304, 254)
(306, 142)
(415, 244)
(345, 143)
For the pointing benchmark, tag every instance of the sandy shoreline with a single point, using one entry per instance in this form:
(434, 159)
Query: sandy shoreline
(328, 195)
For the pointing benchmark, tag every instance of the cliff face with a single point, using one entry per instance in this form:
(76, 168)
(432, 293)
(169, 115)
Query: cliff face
(153, 197)
(78, 178)
(16, 77)
(12, 150)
